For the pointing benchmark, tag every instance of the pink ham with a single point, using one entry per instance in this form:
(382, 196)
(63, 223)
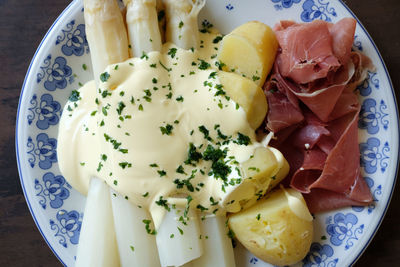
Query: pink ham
(306, 51)
(313, 79)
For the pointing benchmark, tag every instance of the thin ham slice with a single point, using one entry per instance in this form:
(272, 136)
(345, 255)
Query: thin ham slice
(313, 79)
(306, 51)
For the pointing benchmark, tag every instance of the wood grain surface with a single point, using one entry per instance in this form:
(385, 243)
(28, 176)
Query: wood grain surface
(23, 24)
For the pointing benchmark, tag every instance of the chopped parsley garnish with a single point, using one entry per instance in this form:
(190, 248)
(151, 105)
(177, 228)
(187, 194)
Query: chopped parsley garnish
(163, 203)
(258, 217)
(255, 78)
(167, 129)
(169, 95)
(205, 132)
(154, 65)
(242, 139)
(219, 64)
(147, 95)
(144, 55)
(213, 154)
(213, 202)
(217, 39)
(153, 165)
(193, 155)
(201, 208)
(172, 52)
(206, 26)
(179, 98)
(104, 76)
(203, 65)
(162, 173)
(162, 65)
(93, 113)
(231, 234)
(147, 227)
(84, 67)
(140, 107)
(121, 106)
(103, 157)
(104, 110)
(180, 24)
(125, 164)
(180, 230)
(74, 96)
(145, 194)
(99, 166)
(105, 93)
(180, 169)
(115, 182)
(212, 75)
(132, 248)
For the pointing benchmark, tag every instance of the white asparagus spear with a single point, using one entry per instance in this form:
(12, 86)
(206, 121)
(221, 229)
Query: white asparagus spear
(108, 43)
(182, 28)
(179, 243)
(218, 250)
(136, 246)
(143, 31)
(106, 34)
(97, 226)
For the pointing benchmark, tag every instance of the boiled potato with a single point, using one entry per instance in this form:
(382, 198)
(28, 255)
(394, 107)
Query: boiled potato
(260, 171)
(283, 167)
(278, 229)
(248, 95)
(249, 50)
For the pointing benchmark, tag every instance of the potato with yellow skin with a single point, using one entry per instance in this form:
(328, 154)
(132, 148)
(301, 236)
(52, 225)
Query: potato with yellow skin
(246, 94)
(278, 229)
(249, 50)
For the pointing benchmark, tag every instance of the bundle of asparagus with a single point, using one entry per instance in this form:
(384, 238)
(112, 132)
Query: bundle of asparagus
(112, 231)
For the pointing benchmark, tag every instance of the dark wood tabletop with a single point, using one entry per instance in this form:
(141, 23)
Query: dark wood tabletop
(23, 24)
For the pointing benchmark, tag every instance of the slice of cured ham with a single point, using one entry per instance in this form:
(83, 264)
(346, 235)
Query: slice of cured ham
(313, 111)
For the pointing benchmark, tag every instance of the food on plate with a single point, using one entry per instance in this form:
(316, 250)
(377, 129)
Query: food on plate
(278, 229)
(165, 136)
(248, 95)
(249, 50)
(313, 111)
(163, 131)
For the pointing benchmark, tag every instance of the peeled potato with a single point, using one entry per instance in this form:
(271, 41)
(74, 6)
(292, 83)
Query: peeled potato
(249, 50)
(283, 167)
(259, 172)
(247, 94)
(278, 229)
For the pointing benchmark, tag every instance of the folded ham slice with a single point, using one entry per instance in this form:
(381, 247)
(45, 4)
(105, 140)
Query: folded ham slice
(313, 111)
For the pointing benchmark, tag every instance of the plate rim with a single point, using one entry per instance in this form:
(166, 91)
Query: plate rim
(396, 106)
(28, 73)
(74, 2)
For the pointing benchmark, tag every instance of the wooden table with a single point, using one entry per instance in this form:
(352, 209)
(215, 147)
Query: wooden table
(23, 24)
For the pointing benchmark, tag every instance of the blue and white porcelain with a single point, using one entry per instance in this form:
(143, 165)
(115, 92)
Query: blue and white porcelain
(62, 63)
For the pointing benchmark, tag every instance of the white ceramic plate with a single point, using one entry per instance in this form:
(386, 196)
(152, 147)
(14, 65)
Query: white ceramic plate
(57, 69)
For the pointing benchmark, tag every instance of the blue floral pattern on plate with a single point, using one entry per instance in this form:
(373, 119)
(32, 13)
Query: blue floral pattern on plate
(344, 230)
(56, 68)
(372, 155)
(67, 227)
(47, 111)
(75, 40)
(44, 151)
(320, 256)
(373, 116)
(56, 73)
(54, 189)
